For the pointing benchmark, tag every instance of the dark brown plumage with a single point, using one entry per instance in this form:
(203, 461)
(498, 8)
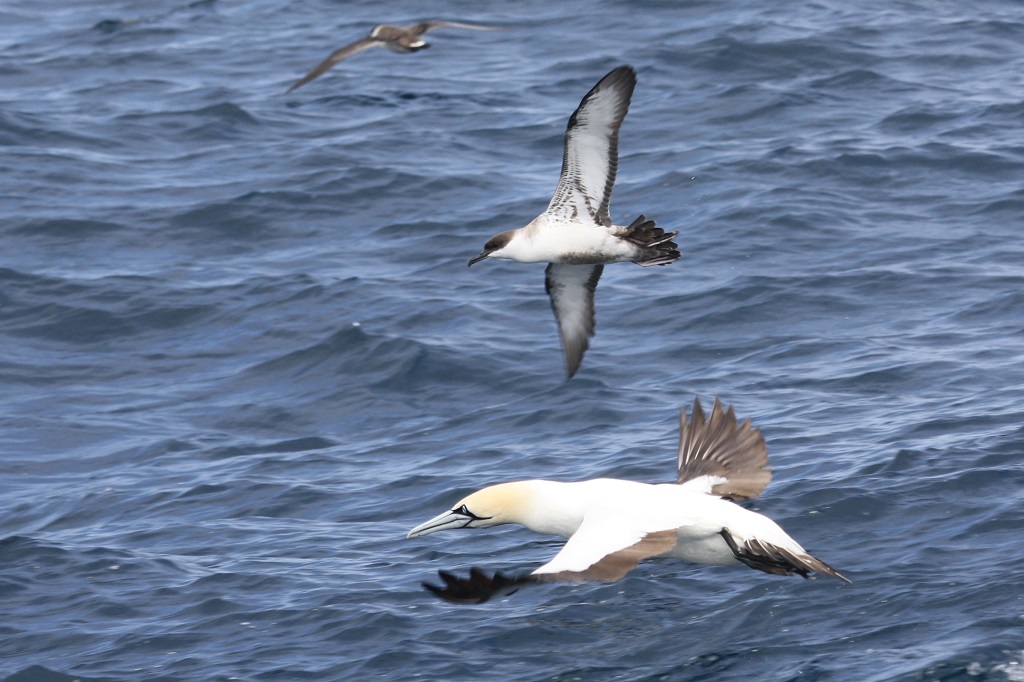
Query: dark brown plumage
(717, 447)
(395, 38)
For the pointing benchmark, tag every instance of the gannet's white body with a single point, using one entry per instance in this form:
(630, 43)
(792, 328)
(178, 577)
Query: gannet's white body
(612, 524)
(575, 235)
(618, 512)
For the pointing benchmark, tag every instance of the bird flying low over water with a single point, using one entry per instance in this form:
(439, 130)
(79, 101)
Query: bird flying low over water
(395, 38)
(612, 525)
(575, 235)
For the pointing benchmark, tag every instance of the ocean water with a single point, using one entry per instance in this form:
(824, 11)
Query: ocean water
(243, 354)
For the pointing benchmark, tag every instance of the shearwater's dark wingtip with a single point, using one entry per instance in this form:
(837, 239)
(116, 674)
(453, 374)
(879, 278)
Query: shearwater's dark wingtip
(298, 84)
(624, 72)
(573, 363)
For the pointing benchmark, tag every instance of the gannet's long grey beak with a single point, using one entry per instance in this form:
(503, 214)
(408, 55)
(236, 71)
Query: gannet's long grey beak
(444, 521)
(479, 258)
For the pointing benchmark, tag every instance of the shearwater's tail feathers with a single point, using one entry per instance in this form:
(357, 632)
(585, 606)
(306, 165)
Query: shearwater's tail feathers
(659, 249)
(722, 458)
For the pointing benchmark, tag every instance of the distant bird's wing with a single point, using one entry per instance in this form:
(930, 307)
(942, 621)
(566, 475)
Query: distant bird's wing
(420, 29)
(591, 155)
(718, 457)
(571, 288)
(335, 57)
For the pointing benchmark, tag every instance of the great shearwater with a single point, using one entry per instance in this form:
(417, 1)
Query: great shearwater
(612, 524)
(396, 38)
(575, 235)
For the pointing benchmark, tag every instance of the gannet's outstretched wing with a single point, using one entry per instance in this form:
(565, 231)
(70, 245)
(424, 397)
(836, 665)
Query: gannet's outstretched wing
(719, 457)
(603, 549)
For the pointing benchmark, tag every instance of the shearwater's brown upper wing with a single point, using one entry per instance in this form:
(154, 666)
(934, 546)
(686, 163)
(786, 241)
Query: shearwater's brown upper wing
(335, 57)
(420, 29)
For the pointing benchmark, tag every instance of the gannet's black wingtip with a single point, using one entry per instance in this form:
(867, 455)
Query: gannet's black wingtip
(477, 588)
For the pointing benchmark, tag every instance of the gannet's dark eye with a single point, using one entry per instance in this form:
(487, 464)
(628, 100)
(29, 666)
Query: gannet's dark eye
(464, 511)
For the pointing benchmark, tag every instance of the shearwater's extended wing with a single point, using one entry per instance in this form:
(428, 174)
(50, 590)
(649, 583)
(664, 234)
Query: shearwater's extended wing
(338, 55)
(571, 288)
(591, 155)
(420, 29)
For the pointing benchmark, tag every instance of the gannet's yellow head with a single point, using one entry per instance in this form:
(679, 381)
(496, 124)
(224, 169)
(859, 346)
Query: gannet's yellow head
(494, 505)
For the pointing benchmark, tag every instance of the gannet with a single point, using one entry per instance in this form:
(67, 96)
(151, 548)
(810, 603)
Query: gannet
(575, 235)
(395, 38)
(612, 525)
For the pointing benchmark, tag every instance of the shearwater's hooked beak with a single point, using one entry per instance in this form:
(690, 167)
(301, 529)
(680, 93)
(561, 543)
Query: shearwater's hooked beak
(449, 519)
(477, 259)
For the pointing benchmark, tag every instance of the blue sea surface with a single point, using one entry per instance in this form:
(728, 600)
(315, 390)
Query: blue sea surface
(242, 354)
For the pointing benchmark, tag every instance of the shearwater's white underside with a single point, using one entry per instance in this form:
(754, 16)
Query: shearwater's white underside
(556, 239)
